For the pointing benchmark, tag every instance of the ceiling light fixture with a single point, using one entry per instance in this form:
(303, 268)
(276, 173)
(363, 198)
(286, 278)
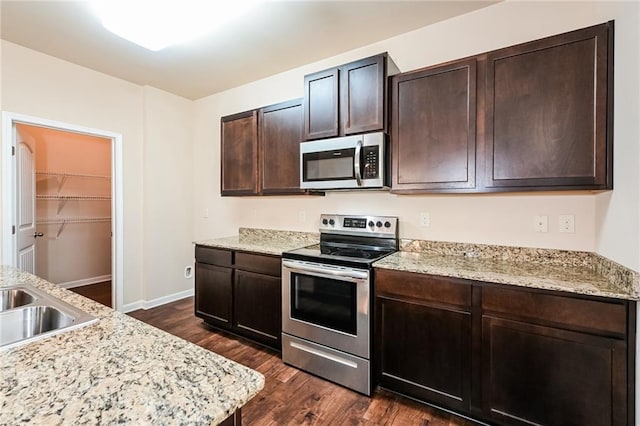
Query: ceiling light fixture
(156, 24)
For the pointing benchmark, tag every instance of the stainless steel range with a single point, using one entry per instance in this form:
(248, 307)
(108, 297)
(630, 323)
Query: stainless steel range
(326, 298)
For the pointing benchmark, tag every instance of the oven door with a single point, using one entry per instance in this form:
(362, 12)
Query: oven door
(327, 304)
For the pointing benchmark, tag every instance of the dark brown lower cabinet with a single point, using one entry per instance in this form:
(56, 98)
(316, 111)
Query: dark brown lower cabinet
(257, 306)
(213, 293)
(543, 375)
(423, 336)
(233, 420)
(240, 292)
(430, 363)
(506, 355)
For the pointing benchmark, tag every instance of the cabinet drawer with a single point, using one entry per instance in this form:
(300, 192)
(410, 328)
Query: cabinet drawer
(262, 264)
(580, 313)
(214, 256)
(421, 286)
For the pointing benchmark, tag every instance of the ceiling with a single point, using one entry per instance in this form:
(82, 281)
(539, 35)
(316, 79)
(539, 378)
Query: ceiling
(272, 38)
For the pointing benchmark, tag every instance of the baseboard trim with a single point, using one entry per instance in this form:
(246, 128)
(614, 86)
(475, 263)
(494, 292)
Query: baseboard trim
(148, 304)
(86, 281)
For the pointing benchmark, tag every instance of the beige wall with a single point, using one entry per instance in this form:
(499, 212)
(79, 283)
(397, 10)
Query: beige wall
(45, 87)
(607, 223)
(168, 193)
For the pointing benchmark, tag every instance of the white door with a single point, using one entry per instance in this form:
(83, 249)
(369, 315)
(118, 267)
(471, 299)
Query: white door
(26, 202)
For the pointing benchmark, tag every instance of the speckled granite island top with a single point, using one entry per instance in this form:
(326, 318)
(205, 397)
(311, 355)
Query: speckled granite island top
(266, 241)
(118, 370)
(574, 272)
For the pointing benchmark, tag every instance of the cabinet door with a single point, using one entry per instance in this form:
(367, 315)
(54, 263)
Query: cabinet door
(258, 307)
(213, 292)
(546, 113)
(321, 104)
(239, 145)
(425, 351)
(433, 128)
(362, 95)
(541, 375)
(280, 137)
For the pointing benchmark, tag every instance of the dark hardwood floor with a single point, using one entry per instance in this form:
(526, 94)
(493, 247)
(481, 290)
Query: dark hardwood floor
(291, 396)
(100, 292)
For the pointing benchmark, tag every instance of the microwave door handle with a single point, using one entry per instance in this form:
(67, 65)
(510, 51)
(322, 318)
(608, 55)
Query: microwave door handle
(356, 163)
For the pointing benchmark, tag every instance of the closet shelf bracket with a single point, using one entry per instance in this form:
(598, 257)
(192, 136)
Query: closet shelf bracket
(60, 229)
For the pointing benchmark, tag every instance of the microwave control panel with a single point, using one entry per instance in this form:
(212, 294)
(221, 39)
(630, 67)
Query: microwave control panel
(370, 169)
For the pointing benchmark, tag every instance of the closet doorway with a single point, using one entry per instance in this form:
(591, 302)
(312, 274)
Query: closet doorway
(65, 207)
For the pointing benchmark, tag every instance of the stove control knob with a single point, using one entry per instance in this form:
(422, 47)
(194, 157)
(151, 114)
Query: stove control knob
(379, 224)
(387, 224)
(325, 221)
(332, 222)
(371, 224)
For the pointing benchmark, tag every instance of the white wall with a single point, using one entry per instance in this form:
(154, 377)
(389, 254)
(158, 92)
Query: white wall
(603, 222)
(42, 86)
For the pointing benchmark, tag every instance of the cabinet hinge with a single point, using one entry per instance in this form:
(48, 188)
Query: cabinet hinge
(13, 230)
(13, 150)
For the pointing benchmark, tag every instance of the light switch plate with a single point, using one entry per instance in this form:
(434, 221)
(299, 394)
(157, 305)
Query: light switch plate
(541, 223)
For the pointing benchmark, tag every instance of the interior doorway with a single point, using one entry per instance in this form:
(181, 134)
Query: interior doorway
(62, 205)
(72, 208)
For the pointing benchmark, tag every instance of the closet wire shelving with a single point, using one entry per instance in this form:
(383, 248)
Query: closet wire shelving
(61, 178)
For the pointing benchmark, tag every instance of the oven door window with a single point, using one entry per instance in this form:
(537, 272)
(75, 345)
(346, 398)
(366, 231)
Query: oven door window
(328, 165)
(325, 302)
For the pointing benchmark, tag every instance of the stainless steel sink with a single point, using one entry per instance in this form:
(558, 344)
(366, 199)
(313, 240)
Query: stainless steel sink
(29, 314)
(15, 297)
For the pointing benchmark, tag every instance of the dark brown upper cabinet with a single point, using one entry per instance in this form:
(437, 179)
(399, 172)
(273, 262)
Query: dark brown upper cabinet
(546, 112)
(321, 104)
(261, 150)
(433, 129)
(536, 116)
(280, 136)
(239, 146)
(348, 99)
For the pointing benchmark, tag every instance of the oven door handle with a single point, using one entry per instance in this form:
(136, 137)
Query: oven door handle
(319, 270)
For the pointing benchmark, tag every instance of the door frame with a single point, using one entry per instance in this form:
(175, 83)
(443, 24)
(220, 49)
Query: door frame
(9, 255)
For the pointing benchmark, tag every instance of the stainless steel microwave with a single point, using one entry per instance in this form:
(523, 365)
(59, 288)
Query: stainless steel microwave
(349, 162)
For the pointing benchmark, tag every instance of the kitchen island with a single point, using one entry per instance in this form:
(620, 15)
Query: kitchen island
(117, 370)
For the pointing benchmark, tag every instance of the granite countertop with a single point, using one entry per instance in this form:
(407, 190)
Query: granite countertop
(569, 271)
(573, 278)
(117, 370)
(265, 241)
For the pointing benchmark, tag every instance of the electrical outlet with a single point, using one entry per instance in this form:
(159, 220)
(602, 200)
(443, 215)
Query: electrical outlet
(302, 216)
(567, 223)
(425, 219)
(541, 223)
(188, 271)
(205, 213)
